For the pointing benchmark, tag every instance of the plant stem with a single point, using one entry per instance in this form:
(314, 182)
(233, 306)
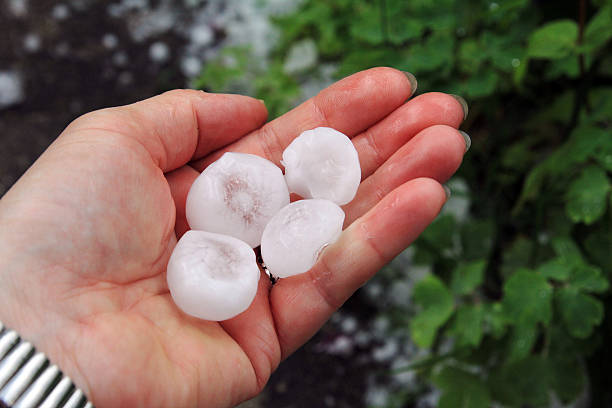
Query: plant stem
(427, 362)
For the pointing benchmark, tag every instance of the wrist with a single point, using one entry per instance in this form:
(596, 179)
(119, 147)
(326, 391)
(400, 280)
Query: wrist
(17, 306)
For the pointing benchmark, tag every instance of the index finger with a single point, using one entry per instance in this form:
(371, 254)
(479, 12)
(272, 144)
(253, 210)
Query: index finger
(177, 126)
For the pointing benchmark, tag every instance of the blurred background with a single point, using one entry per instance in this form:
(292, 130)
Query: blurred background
(504, 301)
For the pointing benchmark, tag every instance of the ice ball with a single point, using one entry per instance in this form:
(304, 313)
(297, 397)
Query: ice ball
(212, 276)
(236, 196)
(294, 237)
(322, 163)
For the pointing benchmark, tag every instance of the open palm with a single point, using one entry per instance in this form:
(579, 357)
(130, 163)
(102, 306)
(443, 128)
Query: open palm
(88, 230)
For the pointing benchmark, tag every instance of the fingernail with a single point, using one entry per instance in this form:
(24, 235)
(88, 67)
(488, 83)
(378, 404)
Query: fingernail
(464, 105)
(262, 101)
(447, 190)
(413, 82)
(468, 140)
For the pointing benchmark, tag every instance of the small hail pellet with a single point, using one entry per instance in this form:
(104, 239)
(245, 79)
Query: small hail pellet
(322, 163)
(294, 238)
(212, 276)
(237, 195)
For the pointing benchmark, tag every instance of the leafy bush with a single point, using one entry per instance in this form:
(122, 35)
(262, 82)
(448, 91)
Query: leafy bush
(520, 286)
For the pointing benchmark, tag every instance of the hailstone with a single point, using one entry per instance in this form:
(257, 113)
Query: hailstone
(237, 195)
(322, 163)
(212, 276)
(294, 237)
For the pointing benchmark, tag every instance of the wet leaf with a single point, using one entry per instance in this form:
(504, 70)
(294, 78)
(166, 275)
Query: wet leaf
(587, 195)
(436, 303)
(461, 389)
(580, 312)
(553, 40)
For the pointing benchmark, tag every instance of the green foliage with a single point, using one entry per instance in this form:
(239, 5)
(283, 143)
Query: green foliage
(580, 312)
(599, 30)
(467, 277)
(589, 278)
(553, 41)
(468, 325)
(527, 298)
(461, 389)
(436, 304)
(524, 382)
(587, 195)
(520, 284)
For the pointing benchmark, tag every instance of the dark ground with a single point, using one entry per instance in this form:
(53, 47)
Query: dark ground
(71, 73)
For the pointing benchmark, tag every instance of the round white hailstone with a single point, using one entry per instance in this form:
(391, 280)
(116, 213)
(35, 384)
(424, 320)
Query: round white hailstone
(191, 66)
(60, 12)
(212, 276)
(236, 196)
(159, 51)
(110, 41)
(201, 35)
(11, 88)
(31, 42)
(120, 59)
(294, 238)
(322, 163)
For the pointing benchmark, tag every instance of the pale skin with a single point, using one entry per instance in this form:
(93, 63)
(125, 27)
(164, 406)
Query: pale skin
(87, 232)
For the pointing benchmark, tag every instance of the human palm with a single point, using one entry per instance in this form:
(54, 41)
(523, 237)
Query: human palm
(88, 230)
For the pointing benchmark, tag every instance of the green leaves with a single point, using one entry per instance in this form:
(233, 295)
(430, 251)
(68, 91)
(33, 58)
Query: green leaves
(495, 320)
(599, 30)
(468, 325)
(461, 389)
(366, 28)
(588, 278)
(436, 52)
(566, 377)
(468, 277)
(556, 269)
(524, 382)
(527, 298)
(521, 341)
(480, 85)
(436, 303)
(527, 382)
(527, 301)
(553, 40)
(580, 312)
(587, 195)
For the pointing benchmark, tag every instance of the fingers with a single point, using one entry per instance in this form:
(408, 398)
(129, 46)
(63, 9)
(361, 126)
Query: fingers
(351, 105)
(177, 126)
(180, 181)
(379, 142)
(427, 151)
(302, 303)
(435, 152)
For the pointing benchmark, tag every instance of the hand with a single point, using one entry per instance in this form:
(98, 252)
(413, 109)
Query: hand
(87, 232)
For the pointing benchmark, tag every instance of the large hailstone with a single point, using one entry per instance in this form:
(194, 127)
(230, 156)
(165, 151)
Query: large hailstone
(236, 196)
(294, 237)
(212, 276)
(322, 163)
